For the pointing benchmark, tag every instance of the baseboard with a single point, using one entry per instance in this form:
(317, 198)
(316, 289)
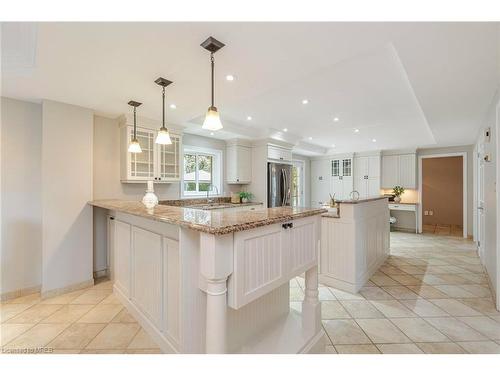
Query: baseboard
(401, 229)
(316, 345)
(19, 293)
(493, 290)
(101, 273)
(67, 289)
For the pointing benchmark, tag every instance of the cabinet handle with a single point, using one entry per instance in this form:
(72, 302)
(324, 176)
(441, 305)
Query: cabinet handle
(111, 218)
(287, 225)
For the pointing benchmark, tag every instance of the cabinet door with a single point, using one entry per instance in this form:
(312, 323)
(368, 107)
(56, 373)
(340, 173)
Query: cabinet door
(142, 165)
(231, 164)
(390, 171)
(244, 170)
(372, 186)
(407, 171)
(373, 166)
(320, 182)
(147, 274)
(168, 160)
(360, 167)
(121, 255)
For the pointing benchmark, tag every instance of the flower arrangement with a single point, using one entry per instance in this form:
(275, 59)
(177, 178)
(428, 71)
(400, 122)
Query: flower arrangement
(398, 191)
(246, 196)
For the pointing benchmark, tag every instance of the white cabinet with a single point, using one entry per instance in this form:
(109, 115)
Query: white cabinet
(341, 178)
(320, 181)
(269, 256)
(367, 175)
(408, 171)
(279, 153)
(159, 163)
(399, 170)
(238, 164)
(121, 249)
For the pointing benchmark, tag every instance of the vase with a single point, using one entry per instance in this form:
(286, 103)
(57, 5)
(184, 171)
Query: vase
(244, 200)
(397, 199)
(150, 200)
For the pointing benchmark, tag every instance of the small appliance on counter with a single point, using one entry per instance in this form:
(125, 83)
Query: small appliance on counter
(390, 196)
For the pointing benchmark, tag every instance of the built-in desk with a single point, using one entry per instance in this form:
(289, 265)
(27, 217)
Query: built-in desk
(403, 206)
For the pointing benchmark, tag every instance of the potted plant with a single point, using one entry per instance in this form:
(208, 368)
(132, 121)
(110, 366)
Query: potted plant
(398, 191)
(246, 196)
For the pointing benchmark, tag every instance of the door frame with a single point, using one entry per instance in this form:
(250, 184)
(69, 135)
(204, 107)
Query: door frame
(298, 163)
(464, 187)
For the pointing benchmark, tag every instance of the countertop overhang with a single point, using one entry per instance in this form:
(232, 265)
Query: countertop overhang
(217, 222)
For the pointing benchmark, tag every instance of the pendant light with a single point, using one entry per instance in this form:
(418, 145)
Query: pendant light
(163, 137)
(134, 146)
(212, 119)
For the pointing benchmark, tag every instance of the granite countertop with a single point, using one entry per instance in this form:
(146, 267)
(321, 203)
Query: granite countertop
(361, 200)
(216, 222)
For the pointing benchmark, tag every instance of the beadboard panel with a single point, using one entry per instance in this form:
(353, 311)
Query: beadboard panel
(171, 290)
(147, 273)
(302, 245)
(122, 252)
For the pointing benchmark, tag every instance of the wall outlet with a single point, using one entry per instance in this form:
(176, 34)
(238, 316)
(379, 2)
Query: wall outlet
(426, 213)
(431, 213)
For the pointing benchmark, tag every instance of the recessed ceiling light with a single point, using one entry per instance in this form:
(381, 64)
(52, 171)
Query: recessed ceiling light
(336, 119)
(229, 77)
(356, 130)
(249, 118)
(374, 140)
(212, 133)
(285, 130)
(173, 106)
(310, 138)
(305, 101)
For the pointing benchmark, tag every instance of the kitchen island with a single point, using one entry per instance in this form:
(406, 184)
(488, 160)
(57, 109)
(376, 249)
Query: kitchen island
(217, 280)
(354, 242)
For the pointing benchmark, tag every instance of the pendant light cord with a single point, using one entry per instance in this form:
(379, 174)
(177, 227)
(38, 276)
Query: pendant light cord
(135, 131)
(163, 108)
(212, 62)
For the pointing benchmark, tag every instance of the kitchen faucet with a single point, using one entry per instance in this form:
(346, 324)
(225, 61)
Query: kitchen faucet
(210, 187)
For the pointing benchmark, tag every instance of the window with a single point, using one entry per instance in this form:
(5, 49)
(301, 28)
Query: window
(202, 171)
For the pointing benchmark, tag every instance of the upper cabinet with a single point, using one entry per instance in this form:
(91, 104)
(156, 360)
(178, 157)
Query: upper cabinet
(367, 175)
(277, 153)
(399, 170)
(341, 177)
(159, 163)
(238, 162)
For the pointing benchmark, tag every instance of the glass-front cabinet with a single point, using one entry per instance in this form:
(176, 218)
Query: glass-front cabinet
(159, 163)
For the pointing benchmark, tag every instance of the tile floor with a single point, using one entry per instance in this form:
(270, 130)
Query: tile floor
(86, 321)
(431, 296)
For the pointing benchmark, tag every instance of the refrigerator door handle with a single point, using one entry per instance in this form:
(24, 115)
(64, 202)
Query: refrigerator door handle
(286, 190)
(283, 179)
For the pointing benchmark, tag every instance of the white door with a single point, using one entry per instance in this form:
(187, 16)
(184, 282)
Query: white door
(337, 187)
(390, 171)
(298, 184)
(407, 171)
(347, 178)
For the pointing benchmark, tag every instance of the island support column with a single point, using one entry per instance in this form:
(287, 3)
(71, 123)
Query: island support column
(216, 264)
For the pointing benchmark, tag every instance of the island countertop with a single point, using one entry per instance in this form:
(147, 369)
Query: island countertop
(216, 222)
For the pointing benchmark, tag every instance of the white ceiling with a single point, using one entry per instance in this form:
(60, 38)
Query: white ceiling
(403, 84)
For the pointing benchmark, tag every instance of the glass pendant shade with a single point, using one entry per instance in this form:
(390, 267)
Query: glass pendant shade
(163, 137)
(212, 120)
(134, 147)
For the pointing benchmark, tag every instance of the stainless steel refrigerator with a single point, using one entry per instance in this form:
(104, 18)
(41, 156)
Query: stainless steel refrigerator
(279, 184)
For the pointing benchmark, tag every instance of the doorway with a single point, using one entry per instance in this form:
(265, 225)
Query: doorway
(443, 194)
(297, 183)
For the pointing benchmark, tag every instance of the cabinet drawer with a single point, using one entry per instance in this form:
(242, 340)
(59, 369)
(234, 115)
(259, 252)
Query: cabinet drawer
(402, 207)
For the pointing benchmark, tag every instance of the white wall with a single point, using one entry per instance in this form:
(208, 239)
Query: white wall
(67, 133)
(21, 248)
(490, 255)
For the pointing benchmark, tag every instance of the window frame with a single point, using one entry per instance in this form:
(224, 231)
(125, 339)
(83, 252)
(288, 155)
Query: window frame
(216, 171)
